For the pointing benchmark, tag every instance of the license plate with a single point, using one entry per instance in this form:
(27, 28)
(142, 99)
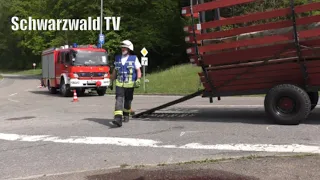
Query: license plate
(91, 82)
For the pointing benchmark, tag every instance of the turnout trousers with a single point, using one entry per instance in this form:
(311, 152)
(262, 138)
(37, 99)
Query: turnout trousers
(124, 97)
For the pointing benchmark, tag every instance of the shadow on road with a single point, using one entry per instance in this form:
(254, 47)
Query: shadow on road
(194, 174)
(46, 92)
(234, 115)
(105, 122)
(21, 118)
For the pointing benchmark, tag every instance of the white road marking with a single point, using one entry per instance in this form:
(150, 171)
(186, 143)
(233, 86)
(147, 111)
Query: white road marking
(155, 144)
(256, 147)
(12, 100)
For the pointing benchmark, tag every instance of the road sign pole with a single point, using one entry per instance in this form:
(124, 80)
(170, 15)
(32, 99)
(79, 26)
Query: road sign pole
(34, 66)
(101, 12)
(144, 62)
(101, 36)
(144, 78)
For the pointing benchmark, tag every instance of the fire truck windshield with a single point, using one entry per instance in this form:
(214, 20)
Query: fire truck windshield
(90, 58)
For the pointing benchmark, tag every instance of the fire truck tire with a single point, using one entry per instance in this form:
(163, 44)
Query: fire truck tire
(80, 92)
(52, 90)
(314, 98)
(287, 104)
(65, 89)
(102, 91)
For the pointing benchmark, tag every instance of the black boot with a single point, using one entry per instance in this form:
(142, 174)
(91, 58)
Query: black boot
(117, 120)
(126, 117)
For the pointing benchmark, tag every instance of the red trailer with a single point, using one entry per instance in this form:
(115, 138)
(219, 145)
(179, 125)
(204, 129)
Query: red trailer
(274, 52)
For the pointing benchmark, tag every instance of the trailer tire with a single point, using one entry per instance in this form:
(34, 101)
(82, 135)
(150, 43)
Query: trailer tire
(287, 104)
(65, 89)
(314, 98)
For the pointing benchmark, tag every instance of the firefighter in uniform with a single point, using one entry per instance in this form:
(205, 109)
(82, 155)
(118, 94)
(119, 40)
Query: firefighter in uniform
(127, 76)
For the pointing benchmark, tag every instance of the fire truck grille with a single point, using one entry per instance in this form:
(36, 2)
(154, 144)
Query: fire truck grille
(91, 74)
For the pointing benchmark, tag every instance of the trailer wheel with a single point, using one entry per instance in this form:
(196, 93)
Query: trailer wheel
(287, 104)
(65, 89)
(314, 98)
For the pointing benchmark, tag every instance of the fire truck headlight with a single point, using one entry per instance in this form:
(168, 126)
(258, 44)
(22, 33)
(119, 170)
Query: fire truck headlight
(75, 75)
(105, 75)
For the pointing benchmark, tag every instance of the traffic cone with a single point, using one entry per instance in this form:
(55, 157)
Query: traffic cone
(41, 86)
(75, 97)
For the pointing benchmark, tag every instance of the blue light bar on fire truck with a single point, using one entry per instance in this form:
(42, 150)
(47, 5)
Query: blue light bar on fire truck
(70, 46)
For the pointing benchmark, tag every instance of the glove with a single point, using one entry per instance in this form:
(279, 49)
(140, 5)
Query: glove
(137, 83)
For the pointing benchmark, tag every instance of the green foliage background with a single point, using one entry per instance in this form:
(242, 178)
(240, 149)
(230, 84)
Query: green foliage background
(154, 24)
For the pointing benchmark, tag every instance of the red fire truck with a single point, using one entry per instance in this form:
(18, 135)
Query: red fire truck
(77, 68)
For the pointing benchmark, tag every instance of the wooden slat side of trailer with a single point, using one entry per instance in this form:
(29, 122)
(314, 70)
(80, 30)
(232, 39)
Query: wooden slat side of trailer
(261, 77)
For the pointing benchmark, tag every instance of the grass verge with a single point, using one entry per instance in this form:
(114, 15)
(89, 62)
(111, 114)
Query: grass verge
(24, 72)
(177, 80)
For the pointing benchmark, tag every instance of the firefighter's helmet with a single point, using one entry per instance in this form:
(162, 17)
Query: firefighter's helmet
(127, 44)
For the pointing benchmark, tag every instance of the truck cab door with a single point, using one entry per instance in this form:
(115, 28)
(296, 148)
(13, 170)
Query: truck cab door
(67, 60)
(60, 67)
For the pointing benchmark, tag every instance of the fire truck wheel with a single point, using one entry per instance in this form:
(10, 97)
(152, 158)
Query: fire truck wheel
(287, 104)
(314, 98)
(102, 91)
(52, 90)
(80, 92)
(65, 89)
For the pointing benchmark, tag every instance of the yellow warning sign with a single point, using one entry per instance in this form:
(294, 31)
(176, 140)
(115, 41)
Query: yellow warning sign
(144, 51)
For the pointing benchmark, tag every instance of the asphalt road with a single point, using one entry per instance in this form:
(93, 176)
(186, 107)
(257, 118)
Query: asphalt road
(266, 168)
(48, 134)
